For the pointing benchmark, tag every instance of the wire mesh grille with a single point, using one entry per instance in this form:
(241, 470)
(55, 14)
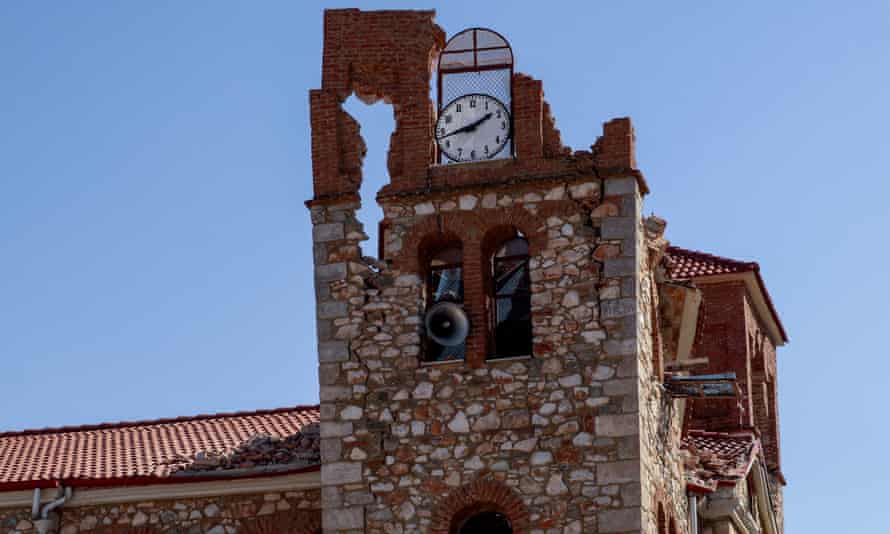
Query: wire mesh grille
(495, 83)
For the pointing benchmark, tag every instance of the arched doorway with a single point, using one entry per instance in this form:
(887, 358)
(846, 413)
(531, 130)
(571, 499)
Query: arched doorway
(488, 522)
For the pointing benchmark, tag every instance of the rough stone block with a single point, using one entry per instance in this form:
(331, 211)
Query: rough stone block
(328, 373)
(333, 393)
(620, 347)
(621, 186)
(331, 449)
(336, 473)
(333, 351)
(331, 309)
(614, 426)
(616, 387)
(327, 232)
(622, 520)
(330, 271)
(332, 429)
(344, 519)
(614, 267)
(618, 472)
(618, 227)
(611, 309)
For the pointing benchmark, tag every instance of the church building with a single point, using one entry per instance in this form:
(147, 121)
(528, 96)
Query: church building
(526, 354)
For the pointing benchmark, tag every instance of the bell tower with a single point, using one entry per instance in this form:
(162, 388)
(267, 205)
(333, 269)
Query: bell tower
(486, 372)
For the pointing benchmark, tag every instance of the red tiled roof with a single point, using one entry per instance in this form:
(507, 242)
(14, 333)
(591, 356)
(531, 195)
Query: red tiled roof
(719, 457)
(133, 452)
(685, 264)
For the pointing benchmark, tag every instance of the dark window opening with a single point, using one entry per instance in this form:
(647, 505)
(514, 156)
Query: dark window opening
(487, 523)
(511, 300)
(445, 283)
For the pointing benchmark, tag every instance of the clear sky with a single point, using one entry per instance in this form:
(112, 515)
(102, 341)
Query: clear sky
(154, 158)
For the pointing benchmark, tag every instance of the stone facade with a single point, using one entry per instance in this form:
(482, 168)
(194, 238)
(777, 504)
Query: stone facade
(578, 436)
(560, 434)
(297, 512)
(398, 435)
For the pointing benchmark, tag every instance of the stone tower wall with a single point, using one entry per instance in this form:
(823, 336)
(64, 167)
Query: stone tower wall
(403, 439)
(553, 440)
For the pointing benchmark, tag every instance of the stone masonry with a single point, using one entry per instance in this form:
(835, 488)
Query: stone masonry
(294, 512)
(558, 440)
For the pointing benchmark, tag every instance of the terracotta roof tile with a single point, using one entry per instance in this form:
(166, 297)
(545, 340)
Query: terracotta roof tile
(718, 457)
(118, 452)
(684, 264)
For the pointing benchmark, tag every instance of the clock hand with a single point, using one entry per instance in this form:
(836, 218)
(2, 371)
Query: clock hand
(469, 127)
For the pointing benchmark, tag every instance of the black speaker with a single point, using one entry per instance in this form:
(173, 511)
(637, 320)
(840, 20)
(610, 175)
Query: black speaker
(447, 324)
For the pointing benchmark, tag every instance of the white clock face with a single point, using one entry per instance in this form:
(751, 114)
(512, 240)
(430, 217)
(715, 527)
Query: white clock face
(473, 127)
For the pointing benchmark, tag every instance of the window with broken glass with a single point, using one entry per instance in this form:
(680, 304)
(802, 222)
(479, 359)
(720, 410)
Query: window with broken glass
(511, 298)
(445, 284)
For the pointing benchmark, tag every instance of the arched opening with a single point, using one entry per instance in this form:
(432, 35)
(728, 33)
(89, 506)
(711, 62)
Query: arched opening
(443, 260)
(481, 518)
(484, 505)
(377, 124)
(487, 523)
(509, 296)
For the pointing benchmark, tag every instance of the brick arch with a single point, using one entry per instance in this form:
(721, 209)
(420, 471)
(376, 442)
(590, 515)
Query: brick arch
(495, 222)
(471, 227)
(482, 495)
(408, 259)
(289, 521)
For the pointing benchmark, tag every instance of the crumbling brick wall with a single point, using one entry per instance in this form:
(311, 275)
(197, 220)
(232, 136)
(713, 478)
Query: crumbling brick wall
(377, 55)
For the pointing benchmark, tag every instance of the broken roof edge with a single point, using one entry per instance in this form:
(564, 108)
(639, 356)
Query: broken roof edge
(242, 476)
(755, 455)
(161, 421)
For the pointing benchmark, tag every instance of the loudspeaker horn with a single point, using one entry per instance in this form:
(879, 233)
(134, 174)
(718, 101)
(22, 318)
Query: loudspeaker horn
(447, 324)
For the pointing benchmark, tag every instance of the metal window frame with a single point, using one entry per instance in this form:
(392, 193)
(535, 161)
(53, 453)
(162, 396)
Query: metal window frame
(475, 68)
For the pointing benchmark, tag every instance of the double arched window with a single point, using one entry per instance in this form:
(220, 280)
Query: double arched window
(499, 304)
(510, 299)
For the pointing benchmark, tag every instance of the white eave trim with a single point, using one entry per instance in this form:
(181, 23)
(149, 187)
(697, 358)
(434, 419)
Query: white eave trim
(758, 299)
(84, 496)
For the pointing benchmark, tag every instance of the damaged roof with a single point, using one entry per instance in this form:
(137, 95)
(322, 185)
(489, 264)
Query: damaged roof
(685, 264)
(714, 458)
(145, 452)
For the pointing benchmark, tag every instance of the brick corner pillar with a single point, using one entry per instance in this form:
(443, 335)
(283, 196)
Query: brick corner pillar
(615, 152)
(528, 115)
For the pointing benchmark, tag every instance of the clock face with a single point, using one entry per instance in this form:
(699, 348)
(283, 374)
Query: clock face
(473, 127)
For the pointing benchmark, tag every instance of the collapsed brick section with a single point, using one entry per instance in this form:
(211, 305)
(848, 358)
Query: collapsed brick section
(389, 55)
(377, 55)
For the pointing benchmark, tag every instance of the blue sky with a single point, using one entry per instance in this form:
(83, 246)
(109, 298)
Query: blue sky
(154, 159)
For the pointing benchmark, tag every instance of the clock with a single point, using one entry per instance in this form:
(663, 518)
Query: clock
(473, 127)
